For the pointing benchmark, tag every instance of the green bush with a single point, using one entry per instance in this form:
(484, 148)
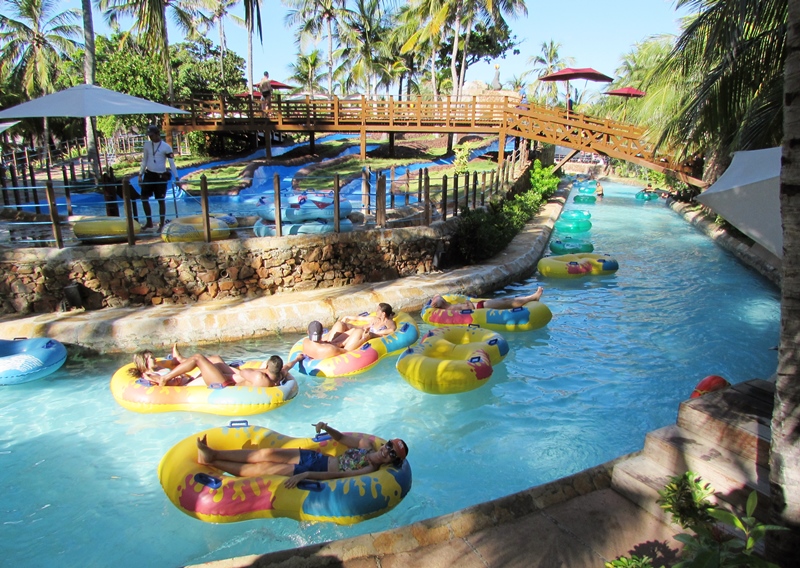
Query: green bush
(198, 143)
(632, 562)
(461, 161)
(483, 233)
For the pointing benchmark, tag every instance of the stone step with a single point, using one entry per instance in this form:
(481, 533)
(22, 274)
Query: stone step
(736, 419)
(732, 476)
(640, 479)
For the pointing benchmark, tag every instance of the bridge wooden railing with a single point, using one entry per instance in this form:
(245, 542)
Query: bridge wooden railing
(479, 115)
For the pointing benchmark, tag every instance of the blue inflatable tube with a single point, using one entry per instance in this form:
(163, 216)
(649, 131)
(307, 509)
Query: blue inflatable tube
(25, 360)
(305, 208)
(263, 228)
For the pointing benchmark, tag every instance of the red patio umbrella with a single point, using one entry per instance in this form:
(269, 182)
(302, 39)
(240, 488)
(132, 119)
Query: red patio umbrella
(571, 73)
(628, 93)
(257, 93)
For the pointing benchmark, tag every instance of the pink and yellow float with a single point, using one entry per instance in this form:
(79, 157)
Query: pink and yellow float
(204, 493)
(366, 356)
(532, 315)
(140, 396)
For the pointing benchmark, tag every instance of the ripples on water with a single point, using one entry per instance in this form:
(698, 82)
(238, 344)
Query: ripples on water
(620, 354)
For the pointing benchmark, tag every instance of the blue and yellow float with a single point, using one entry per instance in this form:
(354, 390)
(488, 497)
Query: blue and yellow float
(450, 360)
(532, 315)
(577, 265)
(139, 395)
(366, 356)
(202, 492)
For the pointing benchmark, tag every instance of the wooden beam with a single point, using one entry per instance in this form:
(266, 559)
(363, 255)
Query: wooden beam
(566, 159)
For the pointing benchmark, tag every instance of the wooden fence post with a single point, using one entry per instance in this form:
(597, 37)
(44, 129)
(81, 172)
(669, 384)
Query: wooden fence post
(51, 202)
(204, 205)
(128, 207)
(365, 198)
(67, 195)
(408, 186)
(455, 195)
(391, 191)
(483, 189)
(427, 185)
(35, 193)
(419, 185)
(380, 201)
(276, 200)
(474, 190)
(444, 197)
(336, 205)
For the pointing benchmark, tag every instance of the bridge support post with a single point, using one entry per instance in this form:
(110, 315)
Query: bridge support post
(391, 144)
(311, 142)
(268, 143)
(501, 148)
(363, 141)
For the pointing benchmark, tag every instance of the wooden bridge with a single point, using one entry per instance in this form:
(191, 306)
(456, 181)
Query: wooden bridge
(476, 115)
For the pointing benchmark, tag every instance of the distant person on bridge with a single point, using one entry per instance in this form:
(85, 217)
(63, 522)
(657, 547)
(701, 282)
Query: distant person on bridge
(265, 86)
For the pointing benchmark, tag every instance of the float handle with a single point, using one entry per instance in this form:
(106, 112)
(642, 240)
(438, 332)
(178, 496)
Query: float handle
(208, 480)
(238, 424)
(310, 485)
(322, 437)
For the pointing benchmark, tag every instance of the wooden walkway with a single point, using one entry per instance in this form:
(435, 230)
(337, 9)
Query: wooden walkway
(467, 116)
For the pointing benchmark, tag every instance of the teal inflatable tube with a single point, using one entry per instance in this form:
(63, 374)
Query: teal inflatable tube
(25, 360)
(576, 226)
(316, 227)
(646, 195)
(584, 199)
(568, 245)
(575, 215)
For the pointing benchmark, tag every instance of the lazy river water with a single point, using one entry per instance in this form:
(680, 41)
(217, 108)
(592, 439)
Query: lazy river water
(621, 352)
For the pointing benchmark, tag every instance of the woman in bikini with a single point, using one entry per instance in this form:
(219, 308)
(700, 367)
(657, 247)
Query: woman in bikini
(346, 336)
(440, 303)
(299, 464)
(213, 370)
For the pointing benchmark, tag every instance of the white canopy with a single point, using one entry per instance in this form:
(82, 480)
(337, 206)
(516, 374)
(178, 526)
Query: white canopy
(747, 196)
(86, 100)
(6, 125)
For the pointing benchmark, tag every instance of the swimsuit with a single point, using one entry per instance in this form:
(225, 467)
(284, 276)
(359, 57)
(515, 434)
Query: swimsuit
(350, 460)
(479, 305)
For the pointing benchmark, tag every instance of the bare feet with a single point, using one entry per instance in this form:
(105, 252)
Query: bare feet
(205, 455)
(538, 294)
(177, 354)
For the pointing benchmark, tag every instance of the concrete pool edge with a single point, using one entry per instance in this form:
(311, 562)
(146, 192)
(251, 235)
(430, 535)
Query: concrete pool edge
(443, 529)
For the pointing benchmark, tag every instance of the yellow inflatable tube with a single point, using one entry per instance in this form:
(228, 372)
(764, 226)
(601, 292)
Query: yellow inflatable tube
(104, 229)
(451, 360)
(139, 395)
(204, 493)
(190, 229)
(577, 265)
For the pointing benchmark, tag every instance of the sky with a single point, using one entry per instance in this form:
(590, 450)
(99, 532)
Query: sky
(595, 34)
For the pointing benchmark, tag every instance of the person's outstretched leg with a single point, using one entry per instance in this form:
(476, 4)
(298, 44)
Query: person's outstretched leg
(517, 302)
(147, 213)
(249, 463)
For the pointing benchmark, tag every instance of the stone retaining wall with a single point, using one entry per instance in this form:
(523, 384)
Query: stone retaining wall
(34, 280)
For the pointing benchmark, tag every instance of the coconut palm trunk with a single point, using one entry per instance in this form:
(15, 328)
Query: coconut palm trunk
(89, 71)
(783, 547)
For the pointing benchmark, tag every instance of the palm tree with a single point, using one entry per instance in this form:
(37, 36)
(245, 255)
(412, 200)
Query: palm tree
(34, 41)
(783, 547)
(218, 15)
(361, 34)
(549, 61)
(150, 22)
(306, 72)
(730, 55)
(311, 16)
(89, 71)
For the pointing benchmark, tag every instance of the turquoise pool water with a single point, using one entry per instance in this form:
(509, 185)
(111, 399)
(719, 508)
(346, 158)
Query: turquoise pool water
(620, 354)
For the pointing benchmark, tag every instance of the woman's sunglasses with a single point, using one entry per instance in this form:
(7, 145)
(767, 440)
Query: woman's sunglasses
(390, 446)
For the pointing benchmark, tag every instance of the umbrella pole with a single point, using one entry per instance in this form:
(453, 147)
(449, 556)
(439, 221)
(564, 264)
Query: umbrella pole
(98, 166)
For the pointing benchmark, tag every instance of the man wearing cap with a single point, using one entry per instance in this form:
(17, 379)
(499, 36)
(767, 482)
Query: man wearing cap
(153, 175)
(265, 86)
